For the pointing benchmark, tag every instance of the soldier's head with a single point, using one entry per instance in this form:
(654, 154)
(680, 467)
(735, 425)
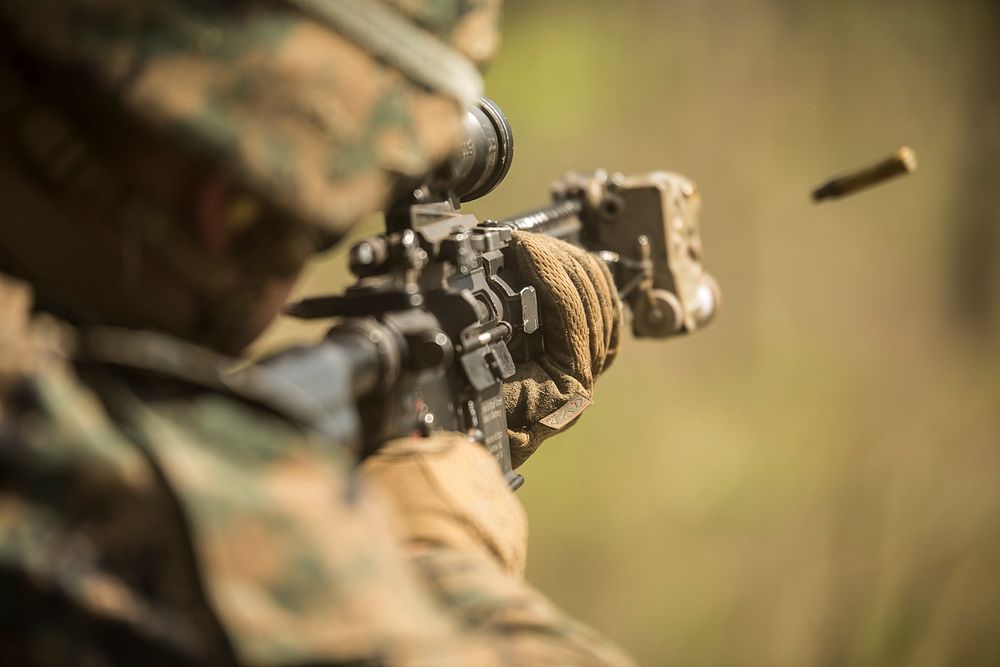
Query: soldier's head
(171, 164)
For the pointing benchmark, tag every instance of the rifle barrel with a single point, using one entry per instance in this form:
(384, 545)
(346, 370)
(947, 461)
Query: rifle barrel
(559, 220)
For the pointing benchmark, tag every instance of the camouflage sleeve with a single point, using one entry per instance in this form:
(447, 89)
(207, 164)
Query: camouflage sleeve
(525, 627)
(303, 562)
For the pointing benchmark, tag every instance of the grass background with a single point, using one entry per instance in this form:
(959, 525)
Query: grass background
(815, 478)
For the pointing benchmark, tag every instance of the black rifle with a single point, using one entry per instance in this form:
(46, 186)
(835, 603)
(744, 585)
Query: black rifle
(434, 325)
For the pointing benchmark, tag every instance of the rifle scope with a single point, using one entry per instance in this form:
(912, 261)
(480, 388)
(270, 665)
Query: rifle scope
(483, 158)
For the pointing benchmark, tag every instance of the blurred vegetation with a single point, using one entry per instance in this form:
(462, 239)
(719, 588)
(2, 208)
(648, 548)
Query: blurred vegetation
(815, 478)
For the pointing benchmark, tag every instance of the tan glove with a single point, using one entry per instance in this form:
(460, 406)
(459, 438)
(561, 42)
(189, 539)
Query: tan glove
(447, 491)
(581, 322)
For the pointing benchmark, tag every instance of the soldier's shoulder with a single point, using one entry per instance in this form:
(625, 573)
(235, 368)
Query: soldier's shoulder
(78, 504)
(131, 494)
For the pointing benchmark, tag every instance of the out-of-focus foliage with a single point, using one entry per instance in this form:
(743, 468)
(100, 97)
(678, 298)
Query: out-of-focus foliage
(815, 478)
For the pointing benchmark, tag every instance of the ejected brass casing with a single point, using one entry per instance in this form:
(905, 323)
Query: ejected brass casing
(903, 162)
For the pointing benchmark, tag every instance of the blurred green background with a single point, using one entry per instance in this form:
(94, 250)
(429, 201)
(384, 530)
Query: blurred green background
(815, 478)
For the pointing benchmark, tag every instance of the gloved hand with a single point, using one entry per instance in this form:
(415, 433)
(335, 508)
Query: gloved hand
(581, 322)
(447, 491)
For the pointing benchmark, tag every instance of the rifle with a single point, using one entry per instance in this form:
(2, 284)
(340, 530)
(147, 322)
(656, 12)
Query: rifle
(434, 325)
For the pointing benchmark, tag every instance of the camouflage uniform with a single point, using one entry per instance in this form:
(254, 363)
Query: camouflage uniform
(156, 506)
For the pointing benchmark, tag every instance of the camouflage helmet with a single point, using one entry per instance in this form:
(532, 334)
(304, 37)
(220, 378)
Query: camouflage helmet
(315, 109)
(315, 104)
